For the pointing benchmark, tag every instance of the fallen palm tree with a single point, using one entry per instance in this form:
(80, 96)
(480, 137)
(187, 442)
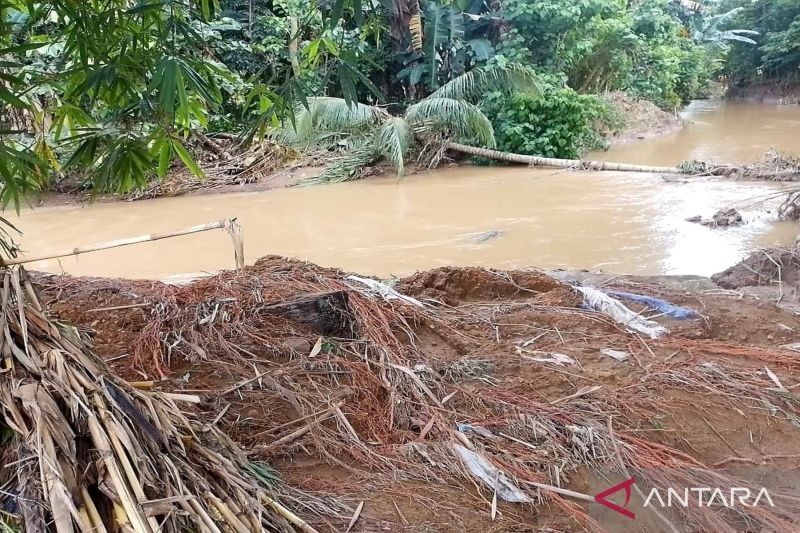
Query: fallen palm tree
(765, 169)
(92, 453)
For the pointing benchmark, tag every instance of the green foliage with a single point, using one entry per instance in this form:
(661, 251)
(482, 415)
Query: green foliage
(560, 123)
(113, 90)
(776, 27)
(782, 50)
(599, 45)
(455, 41)
(476, 83)
(394, 139)
(447, 114)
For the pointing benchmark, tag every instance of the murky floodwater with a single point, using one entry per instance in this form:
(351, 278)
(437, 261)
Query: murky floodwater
(489, 216)
(721, 132)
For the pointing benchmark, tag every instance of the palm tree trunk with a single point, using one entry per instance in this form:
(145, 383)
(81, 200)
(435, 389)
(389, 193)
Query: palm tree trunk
(720, 170)
(559, 163)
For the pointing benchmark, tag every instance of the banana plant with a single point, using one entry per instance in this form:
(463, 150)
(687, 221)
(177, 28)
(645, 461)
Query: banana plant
(453, 41)
(711, 30)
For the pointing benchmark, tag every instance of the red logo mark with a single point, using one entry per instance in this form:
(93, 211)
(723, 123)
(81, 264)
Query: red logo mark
(601, 498)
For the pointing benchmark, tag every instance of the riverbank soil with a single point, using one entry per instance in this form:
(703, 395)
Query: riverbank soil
(768, 93)
(641, 119)
(772, 273)
(402, 397)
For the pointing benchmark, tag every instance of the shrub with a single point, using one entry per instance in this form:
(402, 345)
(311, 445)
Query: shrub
(560, 123)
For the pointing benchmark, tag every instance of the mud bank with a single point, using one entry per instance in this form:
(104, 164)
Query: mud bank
(641, 119)
(787, 93)
(362, 393)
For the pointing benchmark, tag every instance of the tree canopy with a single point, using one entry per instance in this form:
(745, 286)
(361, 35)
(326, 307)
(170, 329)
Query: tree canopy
(111, 93)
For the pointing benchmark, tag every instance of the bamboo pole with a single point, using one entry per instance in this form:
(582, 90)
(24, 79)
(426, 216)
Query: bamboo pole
(580, 164)
(230, 225)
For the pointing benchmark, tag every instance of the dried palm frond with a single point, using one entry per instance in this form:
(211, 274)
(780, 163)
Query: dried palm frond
(92, 453)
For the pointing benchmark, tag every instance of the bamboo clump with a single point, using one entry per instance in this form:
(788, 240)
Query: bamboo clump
(86, 451)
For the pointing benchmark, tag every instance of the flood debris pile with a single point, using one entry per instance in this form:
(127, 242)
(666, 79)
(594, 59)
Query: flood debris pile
(224, 161)
(783, 166)
(775, 165)
(86, 451)
(771, 267)
(416, 404)
(790, 207)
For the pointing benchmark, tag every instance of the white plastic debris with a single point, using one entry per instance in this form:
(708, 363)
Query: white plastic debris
(559, 359)
(615, 354)
(384, 291)
(490, 475)
(600, 301)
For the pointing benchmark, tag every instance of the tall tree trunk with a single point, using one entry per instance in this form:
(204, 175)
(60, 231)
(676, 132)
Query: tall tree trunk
(250, 18)
(293, 46)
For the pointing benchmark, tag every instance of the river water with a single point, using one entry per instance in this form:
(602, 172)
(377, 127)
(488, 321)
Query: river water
(505, 217)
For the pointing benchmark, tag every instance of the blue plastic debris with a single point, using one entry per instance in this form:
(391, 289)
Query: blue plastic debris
(661, 306)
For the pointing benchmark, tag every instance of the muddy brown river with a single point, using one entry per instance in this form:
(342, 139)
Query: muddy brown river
(505, 217)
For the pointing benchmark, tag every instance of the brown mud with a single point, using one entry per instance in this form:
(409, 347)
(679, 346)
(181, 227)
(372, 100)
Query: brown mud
(786, 93)
(641, 119)
(775, 270)
(370, 411)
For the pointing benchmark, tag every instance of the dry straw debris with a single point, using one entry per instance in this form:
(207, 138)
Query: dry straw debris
(385, 389)
(92, 453)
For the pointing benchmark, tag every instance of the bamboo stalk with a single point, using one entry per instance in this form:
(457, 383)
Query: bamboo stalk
(295, 520)
(559, 490)
(219, 224)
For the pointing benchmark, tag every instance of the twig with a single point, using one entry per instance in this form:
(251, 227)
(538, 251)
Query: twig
(220, 415)
(559, 490)
(356, 514)
(399, 512)
(728, 444)
(583, 392)
(748, 460)
(347, 425)
(242, 384)
(119, 307)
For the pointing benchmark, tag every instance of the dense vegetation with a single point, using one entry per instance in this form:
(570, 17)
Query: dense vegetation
(111, 93)
(776, 54)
